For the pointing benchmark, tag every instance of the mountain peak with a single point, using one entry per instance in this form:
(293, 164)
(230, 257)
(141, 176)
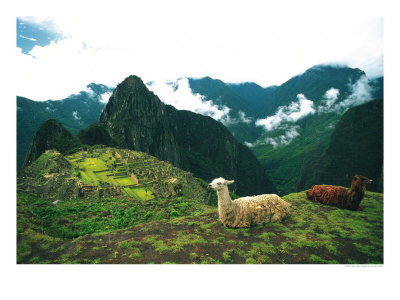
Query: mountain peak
(132, 80)
(50, 135)
(136, 119)
(98, 89)
(334, 68)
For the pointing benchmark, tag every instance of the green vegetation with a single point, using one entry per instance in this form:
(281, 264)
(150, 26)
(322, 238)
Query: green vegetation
(356, 145)
(101, 167)
(285, 162)
(119, 230)
(75, 112)
(100, 172)
(100, 205)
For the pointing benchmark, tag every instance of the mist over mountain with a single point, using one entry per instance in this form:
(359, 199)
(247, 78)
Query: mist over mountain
(214, 98)
(74, 113)
(355, 147)
(285, 126)
(303, 124)
(136, 119)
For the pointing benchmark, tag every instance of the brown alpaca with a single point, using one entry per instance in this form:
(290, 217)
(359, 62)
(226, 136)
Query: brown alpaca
(339, 196)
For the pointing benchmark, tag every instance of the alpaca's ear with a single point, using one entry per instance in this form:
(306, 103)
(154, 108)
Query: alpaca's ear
(230, 181)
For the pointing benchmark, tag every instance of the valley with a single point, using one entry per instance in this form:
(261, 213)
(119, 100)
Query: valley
(283, 151)
(131, 187)
(107, 205)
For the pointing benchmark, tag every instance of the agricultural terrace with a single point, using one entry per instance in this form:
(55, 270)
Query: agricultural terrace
(130, 173)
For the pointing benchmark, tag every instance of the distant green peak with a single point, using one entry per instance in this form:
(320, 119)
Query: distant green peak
(132, 80)
(51, 124)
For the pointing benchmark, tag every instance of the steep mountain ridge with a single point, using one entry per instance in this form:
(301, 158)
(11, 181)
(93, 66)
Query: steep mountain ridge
(50, 135)
(283, 151)
(221, 94)
(75, 112)
(311, 105)
(313, 83)
(256, 96)
(136, 119)
(355, 147)
(243, 100)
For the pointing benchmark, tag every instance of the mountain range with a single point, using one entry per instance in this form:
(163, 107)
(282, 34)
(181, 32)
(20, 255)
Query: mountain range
(126, 182)
(75, 112)
(285, 126)
(294, 121)
(134, 118)
(355, 145)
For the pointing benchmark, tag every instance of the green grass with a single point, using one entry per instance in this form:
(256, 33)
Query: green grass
(92, 170)
(124, 181)
(181, 230)
(143, 193)
(74, 218)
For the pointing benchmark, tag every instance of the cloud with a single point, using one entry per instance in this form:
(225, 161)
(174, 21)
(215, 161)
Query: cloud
(284, 139)
(103, 98)
(89, 92)
(91, 50)
(76, 116)
(27, 38)
(179, 94)
(361, 92)
(50, 108)
(290, 113)
(243, 118)
(328, 101)
(331, 96)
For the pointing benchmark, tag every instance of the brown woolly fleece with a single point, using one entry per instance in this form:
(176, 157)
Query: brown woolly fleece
(248, 211)
(339, 196)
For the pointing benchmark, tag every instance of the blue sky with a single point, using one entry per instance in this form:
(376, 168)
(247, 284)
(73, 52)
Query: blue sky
(31, 34)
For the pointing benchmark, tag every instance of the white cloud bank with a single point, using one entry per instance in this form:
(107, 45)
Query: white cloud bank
(290, 113)
(331, 96)
(107, 51)
(361, 92)
(179, 94)
(103, 98)
(284, 139)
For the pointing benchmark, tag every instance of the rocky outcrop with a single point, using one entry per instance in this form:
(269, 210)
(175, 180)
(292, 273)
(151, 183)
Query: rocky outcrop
(136, 119)
(50, 135)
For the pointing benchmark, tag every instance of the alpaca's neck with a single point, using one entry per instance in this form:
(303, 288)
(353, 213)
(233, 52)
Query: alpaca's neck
(224, 199)
(357, 192)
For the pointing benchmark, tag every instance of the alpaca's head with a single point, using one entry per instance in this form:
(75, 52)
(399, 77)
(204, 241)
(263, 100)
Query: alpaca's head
(219, 183)
(360, 180)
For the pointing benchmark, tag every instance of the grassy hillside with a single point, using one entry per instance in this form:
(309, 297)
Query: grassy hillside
(355, 147)
(99, 172)
(182, 230)
(75, 112)
(285, 162)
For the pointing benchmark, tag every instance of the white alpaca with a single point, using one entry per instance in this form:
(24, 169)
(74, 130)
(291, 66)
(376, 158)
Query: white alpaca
(247, 211)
